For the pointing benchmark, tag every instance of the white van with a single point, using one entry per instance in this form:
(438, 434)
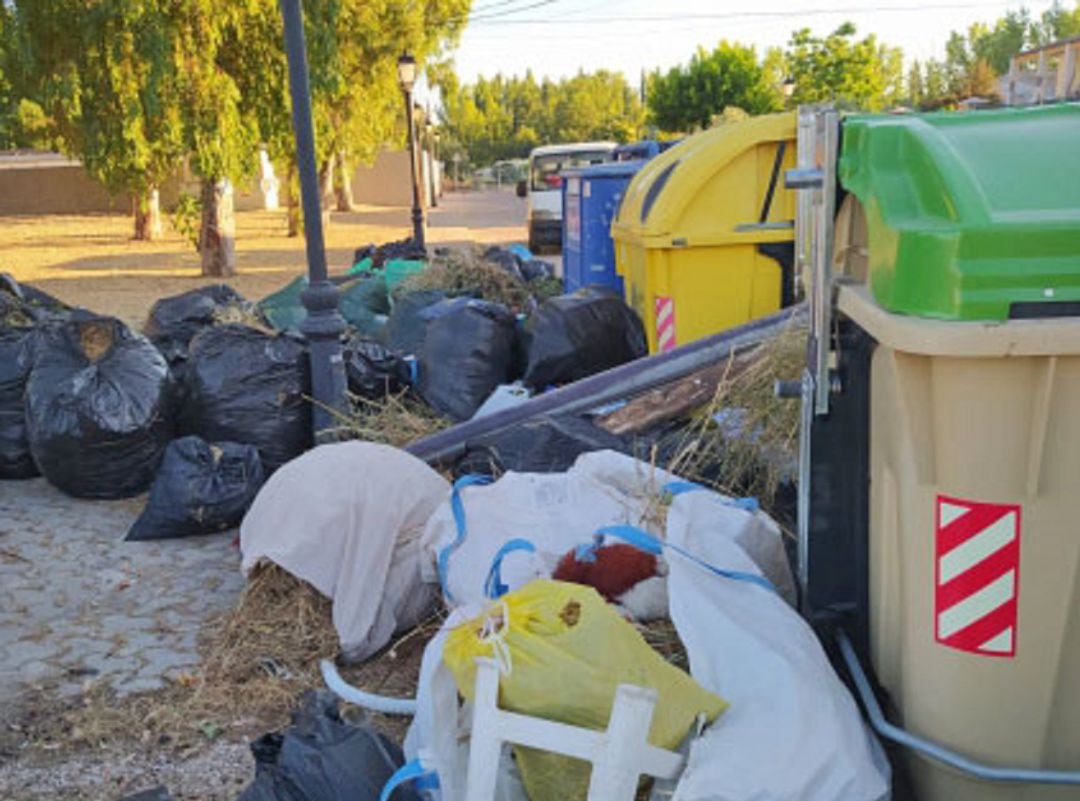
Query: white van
(543, 187)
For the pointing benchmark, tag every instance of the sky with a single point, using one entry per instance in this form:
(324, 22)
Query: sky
(557, 38)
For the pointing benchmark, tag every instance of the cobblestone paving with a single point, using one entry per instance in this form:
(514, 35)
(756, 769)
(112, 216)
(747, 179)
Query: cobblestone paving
(77, 602)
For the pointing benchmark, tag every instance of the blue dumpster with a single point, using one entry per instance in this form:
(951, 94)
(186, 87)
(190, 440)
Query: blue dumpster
(591, 197)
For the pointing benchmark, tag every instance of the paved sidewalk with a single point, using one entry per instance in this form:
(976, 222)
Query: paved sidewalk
(78, 603)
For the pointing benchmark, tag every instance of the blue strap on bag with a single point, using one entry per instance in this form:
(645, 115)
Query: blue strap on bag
(654, 545)
(457, 507)
(411, 771)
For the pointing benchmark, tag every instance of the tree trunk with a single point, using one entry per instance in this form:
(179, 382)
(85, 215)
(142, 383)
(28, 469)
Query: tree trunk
(343, 185)
(293, 204)
(147, 210)
(326, 189)
(217, 237)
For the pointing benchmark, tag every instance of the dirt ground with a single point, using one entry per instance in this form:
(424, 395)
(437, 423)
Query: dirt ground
(91, 260)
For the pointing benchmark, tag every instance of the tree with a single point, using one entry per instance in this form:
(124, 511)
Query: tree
(1055, 24)
(915, 85)
(998, 44)
(104, 77)
(352, 49)
(7, 91)
(503, 118)
(840, 69)
(688, 97)
(936, 84)
(221, 147)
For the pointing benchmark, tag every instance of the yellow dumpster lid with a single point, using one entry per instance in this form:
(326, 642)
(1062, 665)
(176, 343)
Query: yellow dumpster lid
(665, 192)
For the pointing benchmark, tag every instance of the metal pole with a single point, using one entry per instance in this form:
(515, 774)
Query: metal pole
(417, 212)
(323, 325)
(433, 170)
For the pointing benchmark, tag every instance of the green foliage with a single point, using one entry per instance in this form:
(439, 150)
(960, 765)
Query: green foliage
(352, 49)
(503, 118)
(1055, 24)
(974, 59)
(220, 145)
(187, 218)
(688, 97)
(102, 77)
(838, 68)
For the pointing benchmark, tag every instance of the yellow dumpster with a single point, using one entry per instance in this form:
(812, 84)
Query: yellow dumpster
(704, 236)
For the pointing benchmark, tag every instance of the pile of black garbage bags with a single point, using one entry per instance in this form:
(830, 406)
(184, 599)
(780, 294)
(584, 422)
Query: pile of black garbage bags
(212, 397)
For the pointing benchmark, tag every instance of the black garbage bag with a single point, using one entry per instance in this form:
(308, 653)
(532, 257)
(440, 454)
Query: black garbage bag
(320, 757)
(200, 488)
(543, 445)
(366, 252)
(373, 370)
(401, 249)
(244, 385)
(174, 321)
(40, 304)
(97, 410)
(409, 320)
(536, 269)
(16, 352)
(574, 336)
(504, 259)
(468, 350)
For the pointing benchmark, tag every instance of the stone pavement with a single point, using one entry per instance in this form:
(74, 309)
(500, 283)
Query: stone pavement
(78, 603)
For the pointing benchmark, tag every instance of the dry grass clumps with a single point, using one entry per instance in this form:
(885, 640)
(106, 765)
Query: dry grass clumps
(465, 272)
(750, 453)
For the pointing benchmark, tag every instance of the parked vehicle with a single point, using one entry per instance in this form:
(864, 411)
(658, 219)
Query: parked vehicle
(543, 187)
(643, 150)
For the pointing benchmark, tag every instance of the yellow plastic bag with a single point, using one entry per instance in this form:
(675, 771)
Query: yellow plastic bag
(563, 651)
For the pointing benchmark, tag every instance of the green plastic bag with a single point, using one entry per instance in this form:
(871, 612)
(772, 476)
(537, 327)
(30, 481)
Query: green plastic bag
(364, 303)
(397, 270)
(283, 309)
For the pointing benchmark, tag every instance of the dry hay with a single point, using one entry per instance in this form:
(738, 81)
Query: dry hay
(241, 314)
(256, 662)
(754, 461)
(662, 636)
(13, 312)
(95, 338)
(546, 288)
(464, 272)
(397, 420)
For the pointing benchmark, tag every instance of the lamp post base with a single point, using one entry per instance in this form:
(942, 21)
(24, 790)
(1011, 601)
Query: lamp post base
(323, 328)
(419, 234)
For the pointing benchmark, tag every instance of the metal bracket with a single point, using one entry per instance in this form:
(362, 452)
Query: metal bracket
(815, 177)
(931, 749)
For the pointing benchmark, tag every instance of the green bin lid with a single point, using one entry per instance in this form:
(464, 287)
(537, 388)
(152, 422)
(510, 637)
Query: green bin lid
(970, 215)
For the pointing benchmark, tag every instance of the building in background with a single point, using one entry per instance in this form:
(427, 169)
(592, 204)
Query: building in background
(1044, 75)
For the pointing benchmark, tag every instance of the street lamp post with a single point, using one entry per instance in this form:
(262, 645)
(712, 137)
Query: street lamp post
(407, 78)
(323, 325)
(432, 137)
(788, 88)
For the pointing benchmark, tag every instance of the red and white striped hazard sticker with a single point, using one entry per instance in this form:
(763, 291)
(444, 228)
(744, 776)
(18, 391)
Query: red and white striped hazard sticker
(976, 576)
(665, 324)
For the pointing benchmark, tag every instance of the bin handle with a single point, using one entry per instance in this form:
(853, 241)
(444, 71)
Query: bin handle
(934, 750)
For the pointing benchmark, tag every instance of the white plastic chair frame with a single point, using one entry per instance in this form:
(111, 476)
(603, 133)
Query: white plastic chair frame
(619, 756)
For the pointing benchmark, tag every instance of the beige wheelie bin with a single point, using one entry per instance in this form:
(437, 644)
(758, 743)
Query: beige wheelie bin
(958, 255)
